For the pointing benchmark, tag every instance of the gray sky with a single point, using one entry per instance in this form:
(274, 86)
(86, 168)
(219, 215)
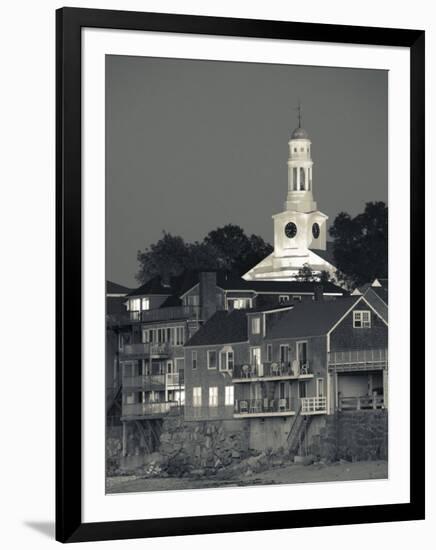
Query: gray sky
(193, 145)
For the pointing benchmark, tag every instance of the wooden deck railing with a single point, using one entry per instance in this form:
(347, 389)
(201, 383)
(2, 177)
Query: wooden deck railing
(365, 402)
(271, 370)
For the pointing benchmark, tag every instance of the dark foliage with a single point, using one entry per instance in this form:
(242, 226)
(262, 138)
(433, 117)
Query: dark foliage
(226, 247)
(361, 244)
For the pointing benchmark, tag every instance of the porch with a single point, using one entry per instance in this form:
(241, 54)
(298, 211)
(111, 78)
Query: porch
(268, 371)
(246, 408)
(133, 411)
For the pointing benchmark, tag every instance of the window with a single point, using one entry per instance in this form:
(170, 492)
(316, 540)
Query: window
(196, 397)
(135, 304)
(211, 359)
(284, 353)
(255, 356)
(320, 387)
(296, 298)
(180, 336)
(295, 149)
(283, 299)
(129, 398)
(213, 396)
(255, 325)
(229, 397)
(128, 368)
(269, 353)
(120, 342)
(193, 300)
(238, 303)
(227, 360)
(145, 303)
(361, 319)
(194, 360)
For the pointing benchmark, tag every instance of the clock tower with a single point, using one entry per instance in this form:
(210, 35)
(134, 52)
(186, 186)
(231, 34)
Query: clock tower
(300, 230)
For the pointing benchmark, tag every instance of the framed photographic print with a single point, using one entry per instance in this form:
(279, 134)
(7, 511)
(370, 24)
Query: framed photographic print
(240, 214)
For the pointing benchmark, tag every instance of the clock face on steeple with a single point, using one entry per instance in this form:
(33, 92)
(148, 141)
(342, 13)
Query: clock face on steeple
(315, 230)
(290, 230)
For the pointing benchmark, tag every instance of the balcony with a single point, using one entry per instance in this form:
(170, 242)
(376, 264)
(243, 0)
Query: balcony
(366, 402)
(131, 351)
(140, 410)
(146, 382)
(272, 371)
(173, 313)
(175, 379)
(248, 408)
(358, 360)
(313, 405)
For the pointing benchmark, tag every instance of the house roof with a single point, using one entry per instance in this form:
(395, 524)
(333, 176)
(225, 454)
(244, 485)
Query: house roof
(153, 286)
(231, 281)
(223, 327)
(311, 318)
(115, 288)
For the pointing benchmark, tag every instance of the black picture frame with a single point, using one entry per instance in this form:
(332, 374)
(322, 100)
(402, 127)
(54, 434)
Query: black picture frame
(69, 23)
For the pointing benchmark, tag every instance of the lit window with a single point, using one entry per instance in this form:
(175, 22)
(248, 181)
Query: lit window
(196, 397)
(283, 299)
(213, 396)
(238, 303)
(211, 359)
(145, 303)
(194, 360)
(255, 325)
(134, 304)
(229, 398)
(361, 319)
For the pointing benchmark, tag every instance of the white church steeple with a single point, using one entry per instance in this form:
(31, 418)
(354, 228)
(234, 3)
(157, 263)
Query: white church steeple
(301, 227)
(300, 164)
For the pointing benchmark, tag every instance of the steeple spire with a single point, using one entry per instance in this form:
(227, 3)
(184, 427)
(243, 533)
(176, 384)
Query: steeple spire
(299, 113)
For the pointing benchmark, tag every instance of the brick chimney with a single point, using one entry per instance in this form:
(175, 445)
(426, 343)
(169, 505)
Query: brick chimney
(207, 294)
(319, 292)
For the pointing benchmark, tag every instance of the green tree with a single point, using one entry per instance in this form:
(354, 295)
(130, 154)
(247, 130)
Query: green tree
(360, 245)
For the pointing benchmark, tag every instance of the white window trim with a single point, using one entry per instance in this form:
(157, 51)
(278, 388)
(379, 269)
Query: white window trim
(194, 357)
(297, 354)
(284, 298)
(226, 353)
(196, 396)
(229, 392)
(209, 351)
(288, 347)
(213, 396)
(318, 383)
(360, 313)
(255, 321)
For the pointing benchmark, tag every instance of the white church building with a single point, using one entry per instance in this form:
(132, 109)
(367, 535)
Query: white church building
(300, 230)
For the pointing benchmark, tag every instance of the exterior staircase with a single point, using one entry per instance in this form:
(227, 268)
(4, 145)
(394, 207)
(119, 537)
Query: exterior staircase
(298, 432)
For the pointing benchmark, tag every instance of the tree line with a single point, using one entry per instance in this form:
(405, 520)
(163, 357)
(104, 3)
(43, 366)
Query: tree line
(360, 250)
